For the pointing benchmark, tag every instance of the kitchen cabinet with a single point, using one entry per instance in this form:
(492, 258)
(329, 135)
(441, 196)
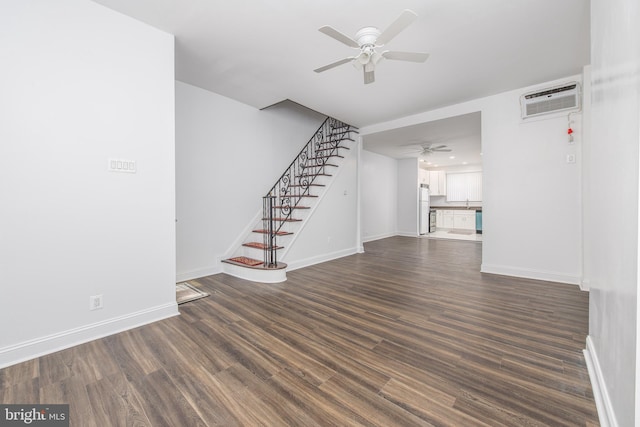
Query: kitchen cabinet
(439, 218)
(448, 218)
(456, 218)
(464, 220)
(438, 183)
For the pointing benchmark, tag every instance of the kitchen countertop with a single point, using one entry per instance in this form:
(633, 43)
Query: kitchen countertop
(458, 208)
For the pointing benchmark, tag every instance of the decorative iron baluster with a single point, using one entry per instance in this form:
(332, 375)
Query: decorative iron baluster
(295, 183)
(269, 235)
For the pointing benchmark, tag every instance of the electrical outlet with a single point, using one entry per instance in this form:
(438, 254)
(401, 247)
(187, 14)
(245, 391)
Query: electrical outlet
(571, 158)
(95, 302)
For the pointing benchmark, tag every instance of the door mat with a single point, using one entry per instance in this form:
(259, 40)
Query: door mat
(462, 232)
(186, 292)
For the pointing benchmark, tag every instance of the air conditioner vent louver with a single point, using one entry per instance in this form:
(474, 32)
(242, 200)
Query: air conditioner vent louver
(552, 100)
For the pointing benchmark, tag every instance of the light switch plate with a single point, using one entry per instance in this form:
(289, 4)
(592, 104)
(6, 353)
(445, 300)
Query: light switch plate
(121, 165)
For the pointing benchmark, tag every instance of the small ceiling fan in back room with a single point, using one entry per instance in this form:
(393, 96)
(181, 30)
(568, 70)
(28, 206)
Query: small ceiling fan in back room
(427, 148)
(367, 40)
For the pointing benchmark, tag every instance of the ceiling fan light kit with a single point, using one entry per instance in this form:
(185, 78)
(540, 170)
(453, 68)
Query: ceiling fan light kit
(367, 39)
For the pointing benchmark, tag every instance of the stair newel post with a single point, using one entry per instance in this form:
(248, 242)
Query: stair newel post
(265, 225)
(271, 232)
(269, 236)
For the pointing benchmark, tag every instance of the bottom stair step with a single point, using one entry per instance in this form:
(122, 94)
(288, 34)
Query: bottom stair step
(251, 262)
(244, 261)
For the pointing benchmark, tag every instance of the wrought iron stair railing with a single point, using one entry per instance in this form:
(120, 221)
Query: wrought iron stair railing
(295, 183)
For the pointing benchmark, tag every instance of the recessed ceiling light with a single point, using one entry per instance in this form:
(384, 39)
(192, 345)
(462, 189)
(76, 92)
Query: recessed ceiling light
(464, 163)
(422, 160)
(452, 157)
(435, 166)
(428, 163)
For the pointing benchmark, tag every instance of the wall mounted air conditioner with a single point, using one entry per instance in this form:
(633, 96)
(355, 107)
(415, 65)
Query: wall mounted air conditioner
(552, 100)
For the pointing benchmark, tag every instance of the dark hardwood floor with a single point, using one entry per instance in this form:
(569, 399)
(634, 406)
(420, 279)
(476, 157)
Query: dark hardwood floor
(407, 334)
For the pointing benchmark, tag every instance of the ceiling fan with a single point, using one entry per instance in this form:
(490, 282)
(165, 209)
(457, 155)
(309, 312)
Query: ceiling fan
(428, 148)
(367, 39)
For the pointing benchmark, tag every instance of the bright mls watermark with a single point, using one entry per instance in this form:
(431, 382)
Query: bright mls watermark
(34, 415)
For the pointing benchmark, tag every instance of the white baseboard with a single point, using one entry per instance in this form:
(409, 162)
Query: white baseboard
(31, 349)
(530, 274)
(378, 237)
(601, 396)
(407, 234)
(196, 274)
(294, 265)
(585, 285)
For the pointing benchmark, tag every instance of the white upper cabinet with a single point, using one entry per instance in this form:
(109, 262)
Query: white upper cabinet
(437, 183)
(464, 186)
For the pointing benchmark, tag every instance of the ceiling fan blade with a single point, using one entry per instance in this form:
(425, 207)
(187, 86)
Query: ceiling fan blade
(341, 37)
(403, 21)
(441, 150)
(334, 64)
(369, 76)
(405, 56)
(438, 147)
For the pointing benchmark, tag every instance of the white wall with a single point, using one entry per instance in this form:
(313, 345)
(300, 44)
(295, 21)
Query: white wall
(228, 155)
(330, 232)
(529, 192)
(611, 229)
(80, 84)
(407, 197)
(379, 196)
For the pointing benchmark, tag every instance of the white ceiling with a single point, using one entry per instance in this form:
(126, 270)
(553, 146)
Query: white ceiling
(461, 134)
(261, 52)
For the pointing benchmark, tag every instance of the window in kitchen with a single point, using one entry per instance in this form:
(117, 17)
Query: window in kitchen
(464, 186)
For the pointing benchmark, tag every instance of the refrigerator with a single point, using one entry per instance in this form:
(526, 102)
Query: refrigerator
(424, 208)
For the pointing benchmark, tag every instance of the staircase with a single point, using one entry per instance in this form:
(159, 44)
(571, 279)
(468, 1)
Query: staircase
(288, 204)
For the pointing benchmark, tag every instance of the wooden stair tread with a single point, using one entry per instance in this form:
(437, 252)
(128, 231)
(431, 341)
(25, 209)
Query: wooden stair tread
(333, 145)
(243, 260)
(325, 157)
(260, 245)
(278, 233)
(321, 166)
(313, 174)
(292, 207)
(338, 139)
(284, 219)
(345, 126)
(246, 262)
